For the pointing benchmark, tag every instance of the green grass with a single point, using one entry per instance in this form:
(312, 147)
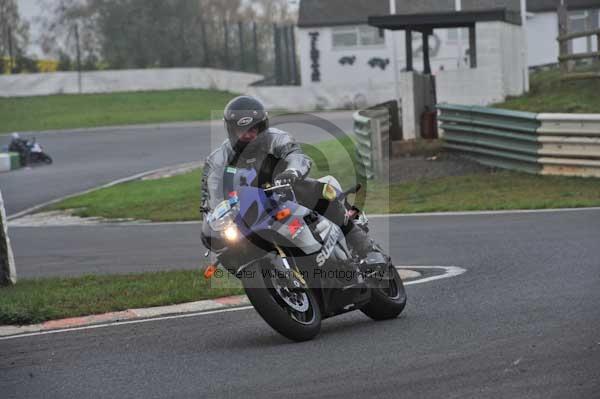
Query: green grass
(35, 301)
(177, 198)
(93, 110)
(549, 94)
(165, 200)
(497, 191)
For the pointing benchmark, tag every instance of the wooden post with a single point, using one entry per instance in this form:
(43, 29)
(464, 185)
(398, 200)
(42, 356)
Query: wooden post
(286, 55)
(563, 29)
(241, 39)
(255, 44)
(409, 50)
(207, 59)
(226, 44)
(278, 68)
(78, 48)
(10, 50)
(294, 61)
(598, 47)
(472, 47)
(426, 60)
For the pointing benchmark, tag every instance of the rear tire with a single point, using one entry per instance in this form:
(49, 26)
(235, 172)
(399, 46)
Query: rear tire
(387, 301)
(46, 159)
(272, 307)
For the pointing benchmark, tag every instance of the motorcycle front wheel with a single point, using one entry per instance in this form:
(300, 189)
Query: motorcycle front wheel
(295, 314)
(388, 297)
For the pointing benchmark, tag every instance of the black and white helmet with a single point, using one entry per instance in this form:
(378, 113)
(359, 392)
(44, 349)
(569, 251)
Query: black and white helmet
(242, 114)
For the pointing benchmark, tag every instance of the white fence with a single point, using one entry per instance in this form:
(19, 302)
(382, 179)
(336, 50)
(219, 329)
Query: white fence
(41, 84)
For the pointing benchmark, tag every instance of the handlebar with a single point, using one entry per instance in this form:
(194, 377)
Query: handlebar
(273, 188)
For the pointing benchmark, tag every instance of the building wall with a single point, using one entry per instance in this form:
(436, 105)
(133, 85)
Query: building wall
(499, 69)
(314, 97)
(331, 71)
(542, 31)
(498, 73)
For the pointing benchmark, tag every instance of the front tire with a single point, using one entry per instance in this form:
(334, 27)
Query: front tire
(296, 317)
(388, 297)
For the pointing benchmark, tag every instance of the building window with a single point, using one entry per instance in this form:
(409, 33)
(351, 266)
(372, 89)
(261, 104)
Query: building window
(455, 35)
(578, 21)
(348, 37)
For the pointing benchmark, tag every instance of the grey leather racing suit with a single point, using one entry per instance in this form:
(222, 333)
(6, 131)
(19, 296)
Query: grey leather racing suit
(273, 152)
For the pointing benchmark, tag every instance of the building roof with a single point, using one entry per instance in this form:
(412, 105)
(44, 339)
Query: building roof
(552, 5)
(425, 22)
(315, 13)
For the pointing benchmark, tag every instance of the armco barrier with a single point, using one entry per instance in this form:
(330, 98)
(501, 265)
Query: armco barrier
(558, 144)
(8, 274)
(375, 128)
(372, 132)
(9, 161)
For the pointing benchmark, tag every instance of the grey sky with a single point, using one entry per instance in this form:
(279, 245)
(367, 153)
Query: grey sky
(29, 9)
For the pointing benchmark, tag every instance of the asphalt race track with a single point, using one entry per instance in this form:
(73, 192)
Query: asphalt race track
(84, 159)
(522, 322)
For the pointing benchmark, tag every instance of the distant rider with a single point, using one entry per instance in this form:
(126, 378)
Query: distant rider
(20, 146)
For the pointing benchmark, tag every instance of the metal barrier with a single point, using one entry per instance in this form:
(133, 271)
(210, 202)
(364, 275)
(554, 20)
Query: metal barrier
(544, 144)
(9, 161)
(372, 130)
(570, 144)
(8, 274)
(375, 128)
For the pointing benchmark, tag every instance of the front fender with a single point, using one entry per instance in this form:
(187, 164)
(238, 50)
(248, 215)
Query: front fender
(271, 257)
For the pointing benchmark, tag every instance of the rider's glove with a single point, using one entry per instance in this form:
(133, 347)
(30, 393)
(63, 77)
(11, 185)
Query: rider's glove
(289, 176)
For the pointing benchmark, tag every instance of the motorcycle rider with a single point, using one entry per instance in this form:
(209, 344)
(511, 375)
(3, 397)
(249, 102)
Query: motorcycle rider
(278, 159)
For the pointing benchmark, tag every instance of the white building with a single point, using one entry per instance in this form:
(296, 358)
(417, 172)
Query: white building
(542, 28)
(338, 49)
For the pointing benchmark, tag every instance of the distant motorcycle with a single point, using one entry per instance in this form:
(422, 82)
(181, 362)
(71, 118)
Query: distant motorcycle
(37, 154)
(30, 151)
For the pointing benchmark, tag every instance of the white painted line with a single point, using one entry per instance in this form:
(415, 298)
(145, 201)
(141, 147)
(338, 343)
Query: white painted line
(91, 190)
(122, 323)
(370, 216)
(116, 128)
(475, 213)
(450, 271)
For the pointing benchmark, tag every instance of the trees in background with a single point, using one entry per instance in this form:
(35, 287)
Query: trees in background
(14, 38)
(229, 34)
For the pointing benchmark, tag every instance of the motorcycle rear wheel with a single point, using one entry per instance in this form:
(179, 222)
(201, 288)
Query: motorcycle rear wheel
(45, 158)
(388, 299)
(295, 315)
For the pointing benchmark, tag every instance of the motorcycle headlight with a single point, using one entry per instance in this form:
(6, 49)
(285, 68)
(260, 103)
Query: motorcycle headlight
(231, 233)
(223, 216)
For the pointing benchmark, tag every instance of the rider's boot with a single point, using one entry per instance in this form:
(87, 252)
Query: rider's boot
(359, 241)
